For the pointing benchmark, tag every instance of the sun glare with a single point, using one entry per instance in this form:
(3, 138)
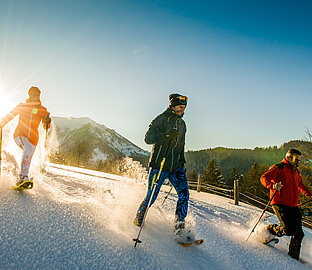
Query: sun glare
(6, 104)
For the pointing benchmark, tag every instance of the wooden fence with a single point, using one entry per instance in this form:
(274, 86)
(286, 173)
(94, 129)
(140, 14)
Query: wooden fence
(236, 195)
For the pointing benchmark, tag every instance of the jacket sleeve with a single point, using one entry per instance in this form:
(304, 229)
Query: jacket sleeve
(45, 113)
(303, 188)
(155, 132)
(10, 115)
(182, 157)
(269, 178)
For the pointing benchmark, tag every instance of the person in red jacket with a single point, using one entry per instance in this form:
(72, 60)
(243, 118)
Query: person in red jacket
(31, 114)
(284, 178)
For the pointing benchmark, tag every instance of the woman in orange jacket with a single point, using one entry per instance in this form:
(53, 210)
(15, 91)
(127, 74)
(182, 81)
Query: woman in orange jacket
(31, 114)
(284, 178)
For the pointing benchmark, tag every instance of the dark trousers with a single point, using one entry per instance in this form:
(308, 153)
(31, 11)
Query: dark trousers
(291, 225)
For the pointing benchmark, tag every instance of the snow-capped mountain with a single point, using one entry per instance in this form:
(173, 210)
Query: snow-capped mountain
(95, 141)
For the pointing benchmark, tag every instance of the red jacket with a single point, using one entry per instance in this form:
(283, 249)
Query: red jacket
(30, 116)
(291, 180)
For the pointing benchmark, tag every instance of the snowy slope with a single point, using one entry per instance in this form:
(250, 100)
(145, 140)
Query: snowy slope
(81, 219)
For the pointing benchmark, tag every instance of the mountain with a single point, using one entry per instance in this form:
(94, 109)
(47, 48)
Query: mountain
(87, 142)
(83, 142)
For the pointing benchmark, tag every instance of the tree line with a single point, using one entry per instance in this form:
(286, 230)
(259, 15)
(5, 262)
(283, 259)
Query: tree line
(221, 166)
(218, 166)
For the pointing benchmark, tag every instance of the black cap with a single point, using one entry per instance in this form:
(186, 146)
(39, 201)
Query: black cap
(177, 99)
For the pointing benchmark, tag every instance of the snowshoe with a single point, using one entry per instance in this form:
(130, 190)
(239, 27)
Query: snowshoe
(271, 242)
(24, 185)
(194, 242)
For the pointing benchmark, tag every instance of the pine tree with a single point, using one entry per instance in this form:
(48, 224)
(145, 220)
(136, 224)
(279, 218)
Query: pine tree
(234, 175)
(192, 175)
(252, 182)
(212, 173)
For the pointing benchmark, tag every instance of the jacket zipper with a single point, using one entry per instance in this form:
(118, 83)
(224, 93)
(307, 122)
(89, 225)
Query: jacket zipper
(30, 124)
(294, 183)
(174, 147)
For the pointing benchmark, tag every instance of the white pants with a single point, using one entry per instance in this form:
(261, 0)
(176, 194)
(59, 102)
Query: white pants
(28, 151)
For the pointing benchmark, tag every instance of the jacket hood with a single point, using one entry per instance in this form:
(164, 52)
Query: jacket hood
(33, 102)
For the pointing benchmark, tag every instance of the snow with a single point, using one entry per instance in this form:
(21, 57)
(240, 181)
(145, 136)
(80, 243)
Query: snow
(71, 123)
(82, 219)
(98, 155)
(104, 135)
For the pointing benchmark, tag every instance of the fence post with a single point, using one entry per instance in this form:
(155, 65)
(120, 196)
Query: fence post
(199, 182)
(236, 192)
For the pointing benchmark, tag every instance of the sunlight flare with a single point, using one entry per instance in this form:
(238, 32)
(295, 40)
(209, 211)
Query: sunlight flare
(6, 103)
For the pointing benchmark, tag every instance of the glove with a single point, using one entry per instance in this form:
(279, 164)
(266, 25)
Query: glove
(47, 120)
(278, 186)
(172, 135)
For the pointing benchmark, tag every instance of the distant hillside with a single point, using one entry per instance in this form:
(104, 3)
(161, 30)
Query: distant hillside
(83, 142)
(243, 159)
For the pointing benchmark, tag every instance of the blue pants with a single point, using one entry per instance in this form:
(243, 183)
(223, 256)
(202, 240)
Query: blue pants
(178, 180)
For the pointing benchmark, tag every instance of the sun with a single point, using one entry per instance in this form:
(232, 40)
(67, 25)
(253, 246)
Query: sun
(6, 103)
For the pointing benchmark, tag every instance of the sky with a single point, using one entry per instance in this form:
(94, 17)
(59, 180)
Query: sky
(245, 65)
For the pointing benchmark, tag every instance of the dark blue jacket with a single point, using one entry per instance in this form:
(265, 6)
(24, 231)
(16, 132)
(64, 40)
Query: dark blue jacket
(155, 135)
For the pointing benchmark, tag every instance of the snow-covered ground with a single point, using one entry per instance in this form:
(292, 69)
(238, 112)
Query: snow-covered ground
(80, 219)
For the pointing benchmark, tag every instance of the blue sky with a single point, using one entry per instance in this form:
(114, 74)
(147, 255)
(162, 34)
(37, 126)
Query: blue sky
(245, 65)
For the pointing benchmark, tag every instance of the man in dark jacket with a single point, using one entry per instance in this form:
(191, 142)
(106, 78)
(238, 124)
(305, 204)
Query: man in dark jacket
(166, 129)
(284, 178)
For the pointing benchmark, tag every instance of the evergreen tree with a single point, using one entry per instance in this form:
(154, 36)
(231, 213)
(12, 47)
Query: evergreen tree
(252, 182)
(212, 173)
(192, 175)
(234, 175)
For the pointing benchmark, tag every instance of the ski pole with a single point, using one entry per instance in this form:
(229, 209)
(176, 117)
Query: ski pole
(46, 138)
(300, 204)
(167, 195)
(305, 211)
(153, 187)
(268, 216)
(262, 215)
(46, 135)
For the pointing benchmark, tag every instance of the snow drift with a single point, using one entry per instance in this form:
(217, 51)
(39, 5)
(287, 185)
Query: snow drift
(80, 219)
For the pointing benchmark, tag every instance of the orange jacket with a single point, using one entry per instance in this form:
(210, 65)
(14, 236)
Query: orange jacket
(30, 116)
(291, 180)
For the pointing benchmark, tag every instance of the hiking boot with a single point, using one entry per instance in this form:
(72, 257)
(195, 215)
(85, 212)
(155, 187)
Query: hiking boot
(179, 226)
(22, 179)
(295, 246)
(140, 215)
